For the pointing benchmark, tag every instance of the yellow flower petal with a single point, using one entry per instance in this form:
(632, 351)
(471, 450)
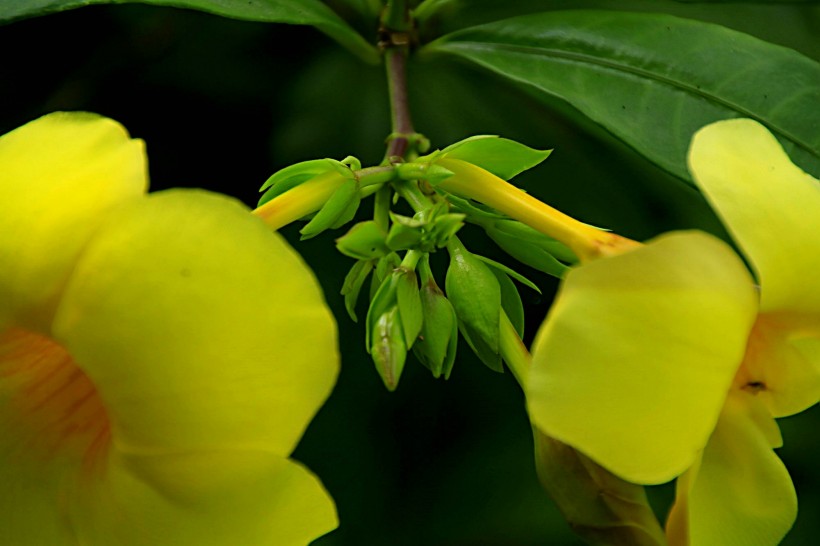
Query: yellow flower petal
(48, 425)
(635, 358)
(201, 329)
(740, 494)
(205, 499)
(31, 516)
(769, 205)
(59, 175)
(782, 364)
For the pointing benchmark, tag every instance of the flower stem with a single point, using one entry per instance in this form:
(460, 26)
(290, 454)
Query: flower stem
(513, 351)
(410, 192)
(395, 42)
(395, 60)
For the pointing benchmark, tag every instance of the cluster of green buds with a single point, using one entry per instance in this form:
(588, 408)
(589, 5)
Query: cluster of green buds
(464, 183)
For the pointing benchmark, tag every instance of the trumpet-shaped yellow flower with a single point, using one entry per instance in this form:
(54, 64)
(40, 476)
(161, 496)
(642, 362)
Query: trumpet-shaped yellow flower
(670, 360)
(160, 355)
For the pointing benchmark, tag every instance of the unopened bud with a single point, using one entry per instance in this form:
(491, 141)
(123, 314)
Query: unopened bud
(436, 346)
(387, 347)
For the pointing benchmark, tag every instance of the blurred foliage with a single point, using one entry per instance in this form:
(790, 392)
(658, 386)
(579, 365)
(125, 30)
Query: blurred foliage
(222, 104)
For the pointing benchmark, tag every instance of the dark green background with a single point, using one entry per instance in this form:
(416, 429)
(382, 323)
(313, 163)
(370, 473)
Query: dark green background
(222, 104)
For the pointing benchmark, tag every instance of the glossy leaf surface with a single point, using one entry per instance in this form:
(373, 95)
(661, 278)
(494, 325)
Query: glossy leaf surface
(608, 65)
(294, 12)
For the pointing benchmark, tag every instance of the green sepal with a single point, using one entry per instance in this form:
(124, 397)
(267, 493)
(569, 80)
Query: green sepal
(352, 163)
(381, 302)
(471, 208)
(364, 241)
(409, 303)
(503, 157)
(337, 208)
(511, 301)
(293, 175)
(530, 254)
(444, 227)
(387, 347)
(437, 343)
(418, 220)
(348, 213)
(353, 283)
(476, 296)
(300, 171)
(386, 265)
(511, 272)
(431, 172)
(403, 236)
(522, 232)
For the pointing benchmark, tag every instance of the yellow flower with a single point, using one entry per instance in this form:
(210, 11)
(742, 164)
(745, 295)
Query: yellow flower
(160, 355)
(670, 360)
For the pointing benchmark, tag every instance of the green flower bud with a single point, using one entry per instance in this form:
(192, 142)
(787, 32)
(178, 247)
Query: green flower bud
(436, 346)
(409, 303)
(364, 241)
(476, 296)
(600, 507)
(387, 347)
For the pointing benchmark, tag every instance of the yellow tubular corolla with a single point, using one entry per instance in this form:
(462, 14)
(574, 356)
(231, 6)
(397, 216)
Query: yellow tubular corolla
(160, 355)
(299, 201)
(473, 182)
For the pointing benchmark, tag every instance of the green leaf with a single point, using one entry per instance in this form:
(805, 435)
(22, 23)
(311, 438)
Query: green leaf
(503, 157)
(294, 12)
(653, 80)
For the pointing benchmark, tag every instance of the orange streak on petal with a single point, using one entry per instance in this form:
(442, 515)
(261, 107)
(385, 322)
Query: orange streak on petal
(51, 404)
